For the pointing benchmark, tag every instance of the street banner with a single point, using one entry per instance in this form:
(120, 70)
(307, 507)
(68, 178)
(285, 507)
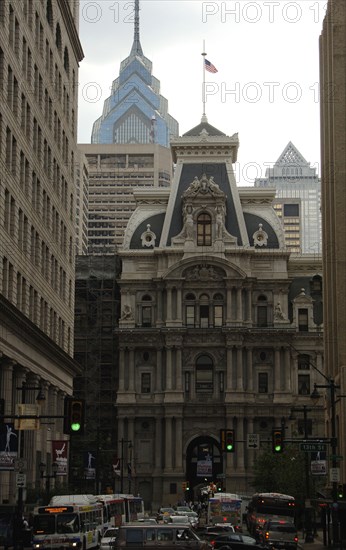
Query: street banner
(204, 468)
(60, 454)
(319, 464)
(8, 446)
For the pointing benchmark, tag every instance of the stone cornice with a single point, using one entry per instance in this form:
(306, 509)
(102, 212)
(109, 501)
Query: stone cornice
(71, 29)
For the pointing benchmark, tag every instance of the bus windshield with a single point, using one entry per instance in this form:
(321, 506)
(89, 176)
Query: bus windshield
(60, 523)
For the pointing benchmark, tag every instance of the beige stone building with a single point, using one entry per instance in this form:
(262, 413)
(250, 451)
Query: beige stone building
(39, 56)
(220, 325)
(333, 134)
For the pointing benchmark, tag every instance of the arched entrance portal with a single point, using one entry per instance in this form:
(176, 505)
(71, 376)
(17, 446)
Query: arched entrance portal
(204, 463)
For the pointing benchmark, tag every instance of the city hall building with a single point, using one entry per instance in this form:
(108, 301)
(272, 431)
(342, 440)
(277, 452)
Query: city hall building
(220, 327)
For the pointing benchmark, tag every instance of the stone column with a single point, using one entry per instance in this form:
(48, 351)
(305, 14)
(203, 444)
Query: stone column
(179, 385)
(179, 306)
(168, 446)
(158, 377)
(229, 368)
(249, 306)
(277, 382)
(168, 368)
(239, 436)
(249, 366)
(169, 306)
(159, 307)
(250, 452)
(131, 384)
(240, 368)
(239, 305)
(122, 370)
(229, 306)
(179, 444)
(158, 445)
(287, 363)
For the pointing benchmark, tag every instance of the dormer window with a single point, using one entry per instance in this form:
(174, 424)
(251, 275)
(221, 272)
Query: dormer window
(204, 230)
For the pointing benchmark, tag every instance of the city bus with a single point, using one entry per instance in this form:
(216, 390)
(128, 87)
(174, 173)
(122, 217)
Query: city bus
(121, 508)
(269, 506)
(225, 508)
(68, 525)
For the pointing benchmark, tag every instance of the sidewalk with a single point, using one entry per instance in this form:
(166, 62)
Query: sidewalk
(316, 545)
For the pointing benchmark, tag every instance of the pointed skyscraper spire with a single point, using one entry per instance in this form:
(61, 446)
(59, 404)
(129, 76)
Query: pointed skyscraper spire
(136, 46)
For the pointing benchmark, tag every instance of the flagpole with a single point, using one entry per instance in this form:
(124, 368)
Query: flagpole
(204, 118)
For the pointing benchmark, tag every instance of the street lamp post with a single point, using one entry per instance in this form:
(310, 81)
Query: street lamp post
(48, 477)
(332, 387)
(308, 520)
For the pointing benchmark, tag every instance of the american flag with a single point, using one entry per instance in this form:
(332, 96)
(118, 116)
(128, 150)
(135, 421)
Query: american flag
(209, 66)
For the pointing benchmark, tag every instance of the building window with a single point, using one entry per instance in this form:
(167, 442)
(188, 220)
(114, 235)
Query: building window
(204, 374)
(187, 382)
(304, 426)
(304, 384)
(145, 382)
(190, 316)
(303, 362)
(146, 311)
(262, 382)
(262, 312)
(204, 230)
(303, 320)
(218, 316)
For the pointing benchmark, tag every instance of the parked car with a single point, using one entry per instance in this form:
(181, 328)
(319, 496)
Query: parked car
(179, 520)
(235, 541)
(109, 538)
(212, 532)
(279, 534)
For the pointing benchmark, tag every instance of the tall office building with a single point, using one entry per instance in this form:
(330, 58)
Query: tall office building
(297, 201)
(39, 56)
(333, 140)
(115, 172)
(135, 112)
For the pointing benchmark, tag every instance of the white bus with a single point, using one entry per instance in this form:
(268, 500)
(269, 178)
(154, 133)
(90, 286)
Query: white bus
(77, 525)
(121, 508)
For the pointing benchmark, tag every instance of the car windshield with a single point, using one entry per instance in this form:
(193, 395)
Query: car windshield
(110, 533)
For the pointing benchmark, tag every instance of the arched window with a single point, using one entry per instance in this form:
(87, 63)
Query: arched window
(204, 374)
(204, 230)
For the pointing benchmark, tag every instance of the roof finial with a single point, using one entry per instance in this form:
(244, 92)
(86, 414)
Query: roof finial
(136, 46)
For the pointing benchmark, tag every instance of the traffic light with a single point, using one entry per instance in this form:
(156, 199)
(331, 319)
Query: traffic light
(187, 486)
(278, 441)
(340, 491)
(74, 416)
(230, 443)
(184, 485)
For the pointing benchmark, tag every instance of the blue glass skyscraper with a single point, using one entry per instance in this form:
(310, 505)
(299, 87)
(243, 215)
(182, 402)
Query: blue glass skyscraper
(135, 112)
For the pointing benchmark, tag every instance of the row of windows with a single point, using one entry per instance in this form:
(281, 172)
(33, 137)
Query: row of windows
(18, 291)
(204, 382)
(28, 240)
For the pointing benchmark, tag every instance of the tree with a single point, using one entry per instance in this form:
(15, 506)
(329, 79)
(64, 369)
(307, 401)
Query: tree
(281, 473)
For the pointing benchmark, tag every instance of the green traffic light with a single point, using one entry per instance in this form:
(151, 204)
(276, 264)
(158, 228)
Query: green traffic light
(229, 447)
(75, 426)
(277, 448)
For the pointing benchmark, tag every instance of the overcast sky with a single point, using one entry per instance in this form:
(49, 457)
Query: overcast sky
(266, 53)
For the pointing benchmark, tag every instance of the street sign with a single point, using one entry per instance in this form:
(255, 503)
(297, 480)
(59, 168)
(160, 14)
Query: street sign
(220, 476)
(312, 447)
(21, 481)
(334, 475)
(253, 441)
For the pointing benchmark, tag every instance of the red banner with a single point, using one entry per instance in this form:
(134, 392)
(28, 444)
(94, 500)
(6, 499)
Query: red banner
(60, 454)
